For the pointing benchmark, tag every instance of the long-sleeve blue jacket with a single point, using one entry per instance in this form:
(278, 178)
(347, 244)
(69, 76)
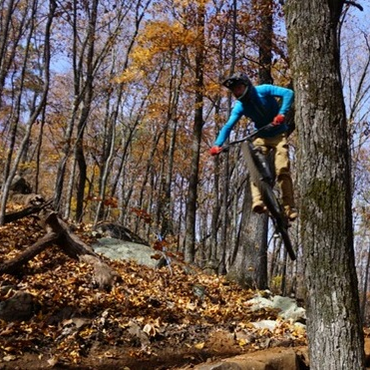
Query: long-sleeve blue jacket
(261, 109)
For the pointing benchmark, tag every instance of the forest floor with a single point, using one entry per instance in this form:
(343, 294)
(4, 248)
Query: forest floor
(170, 318)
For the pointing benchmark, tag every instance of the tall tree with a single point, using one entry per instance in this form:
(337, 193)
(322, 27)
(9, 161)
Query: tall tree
(264, 18)
(224, 216)
(334, 327)
(87, 97)
(196, 135)
(39, 95)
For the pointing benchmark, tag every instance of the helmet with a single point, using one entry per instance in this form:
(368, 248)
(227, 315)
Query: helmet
(239, 78)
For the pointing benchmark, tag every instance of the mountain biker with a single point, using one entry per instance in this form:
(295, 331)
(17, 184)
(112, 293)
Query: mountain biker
(260, 104)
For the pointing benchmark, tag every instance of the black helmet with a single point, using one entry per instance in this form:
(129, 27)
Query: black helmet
(239, 78)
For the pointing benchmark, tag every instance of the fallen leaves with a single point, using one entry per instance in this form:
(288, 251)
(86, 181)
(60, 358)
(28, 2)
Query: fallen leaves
(146, 311)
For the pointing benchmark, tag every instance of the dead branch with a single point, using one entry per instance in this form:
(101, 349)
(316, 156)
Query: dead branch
(12, 266)
(58, 233)
(31, 210)
(74, 247)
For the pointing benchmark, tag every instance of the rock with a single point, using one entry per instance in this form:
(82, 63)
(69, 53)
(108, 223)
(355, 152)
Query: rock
(272, 359)
(116, 249)
(288, 308)
(265, 324)
(117, 231)
(21, 307)
(20, 185)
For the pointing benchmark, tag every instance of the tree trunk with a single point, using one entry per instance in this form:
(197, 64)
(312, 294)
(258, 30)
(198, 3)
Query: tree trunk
(37, 109)
(223, 176)
(334, 330)
(250, 256)
(197, 135)
(7, 49)
(366, 281)
(87, 99)
(212, 254)
(265, 32)
(165, 205)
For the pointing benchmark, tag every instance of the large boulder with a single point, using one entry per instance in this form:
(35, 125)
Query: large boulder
(116, 249)
(117, 231)
(287, 307)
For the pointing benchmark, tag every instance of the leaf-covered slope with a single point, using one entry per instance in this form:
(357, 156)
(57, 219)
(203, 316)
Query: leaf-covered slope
(147, 312)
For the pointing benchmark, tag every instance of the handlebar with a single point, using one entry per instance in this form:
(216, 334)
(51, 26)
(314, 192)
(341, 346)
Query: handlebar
(249, 137)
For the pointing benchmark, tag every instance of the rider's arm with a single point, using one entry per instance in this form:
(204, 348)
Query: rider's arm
(286, 96)
(235, 115)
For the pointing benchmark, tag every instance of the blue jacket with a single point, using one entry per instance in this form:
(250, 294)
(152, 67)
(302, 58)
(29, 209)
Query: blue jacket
(261, 109)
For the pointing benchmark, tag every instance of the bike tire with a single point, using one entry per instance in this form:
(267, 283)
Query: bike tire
(277, 212)
(287, 242)
(268, 197)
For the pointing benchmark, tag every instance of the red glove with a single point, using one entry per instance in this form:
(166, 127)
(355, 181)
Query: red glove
(215, 150)
(278, 120)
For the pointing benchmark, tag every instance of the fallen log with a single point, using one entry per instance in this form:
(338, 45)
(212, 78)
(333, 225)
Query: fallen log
(11, 267)
(30, 210)
(74, 247)
(104, 276)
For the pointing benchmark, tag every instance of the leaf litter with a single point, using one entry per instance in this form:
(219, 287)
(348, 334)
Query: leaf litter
(161, 318)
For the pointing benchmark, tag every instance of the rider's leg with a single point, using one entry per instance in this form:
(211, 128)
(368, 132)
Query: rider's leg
(286, 186)
(257, 203)
(284, 179)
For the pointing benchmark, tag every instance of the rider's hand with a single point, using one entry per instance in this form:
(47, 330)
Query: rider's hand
(278, 120)
(215, 150)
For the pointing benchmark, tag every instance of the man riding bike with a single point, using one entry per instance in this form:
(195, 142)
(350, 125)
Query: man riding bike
(259, 103)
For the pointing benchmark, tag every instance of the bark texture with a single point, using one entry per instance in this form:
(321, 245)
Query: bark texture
(334, 330)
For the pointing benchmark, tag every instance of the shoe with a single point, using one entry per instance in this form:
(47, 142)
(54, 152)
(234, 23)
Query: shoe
(291, 213)
(259, 208)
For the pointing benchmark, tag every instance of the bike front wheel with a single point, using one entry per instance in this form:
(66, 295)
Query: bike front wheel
(268, 197)
(278, 216)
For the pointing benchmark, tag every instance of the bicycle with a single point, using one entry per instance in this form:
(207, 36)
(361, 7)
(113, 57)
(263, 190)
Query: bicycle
(264, 178)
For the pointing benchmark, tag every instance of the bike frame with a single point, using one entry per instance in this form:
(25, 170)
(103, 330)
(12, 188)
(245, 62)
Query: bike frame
(263, 177)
